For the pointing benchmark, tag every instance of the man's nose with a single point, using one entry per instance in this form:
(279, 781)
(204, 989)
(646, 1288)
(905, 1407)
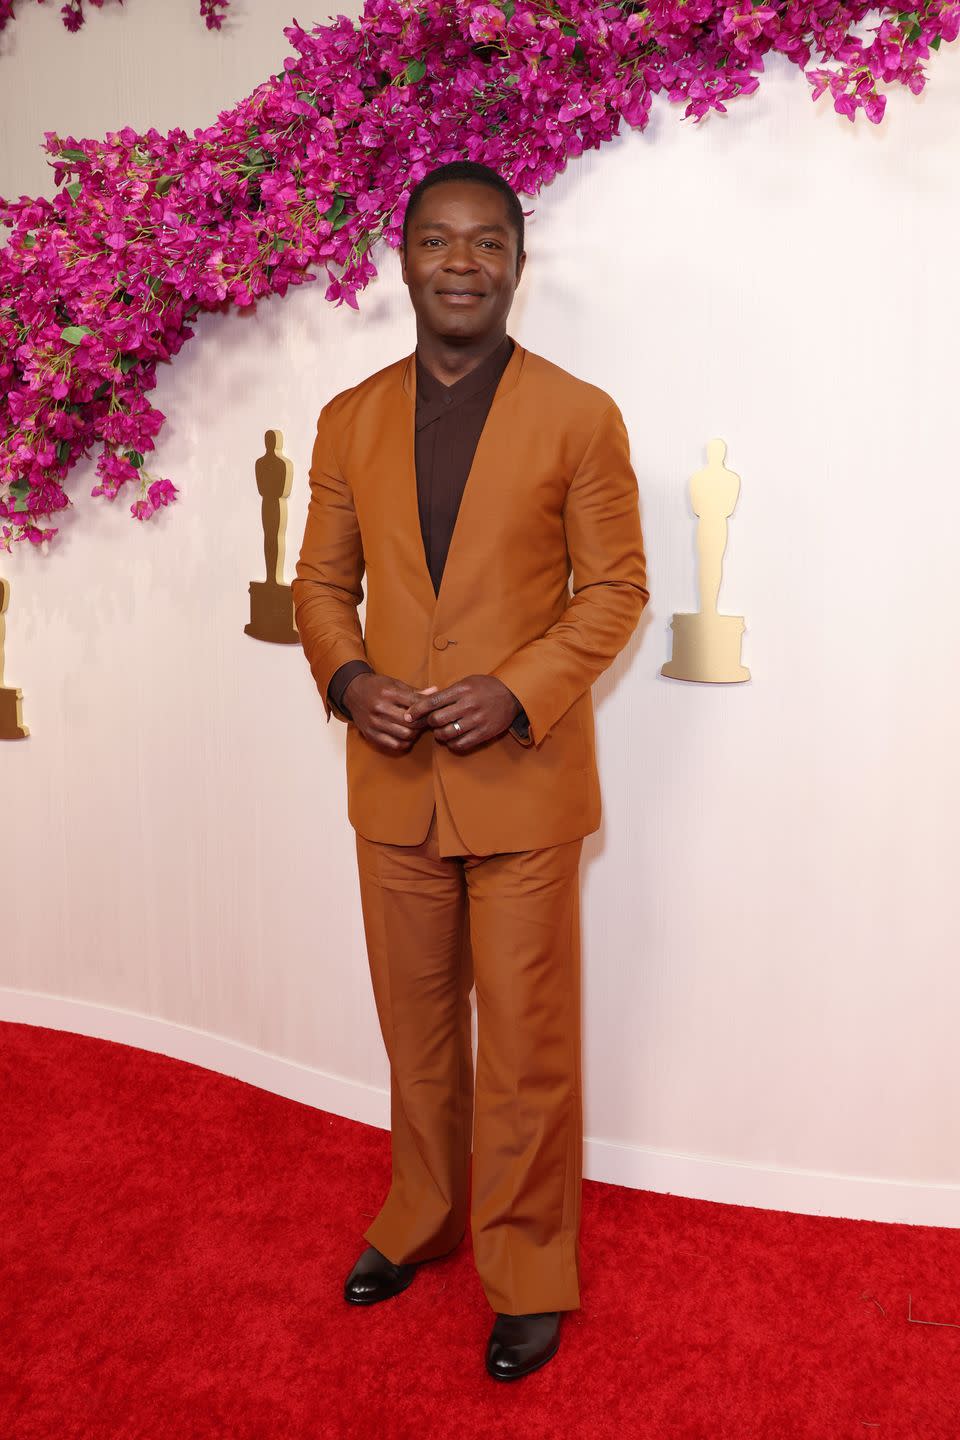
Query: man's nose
(460, 258)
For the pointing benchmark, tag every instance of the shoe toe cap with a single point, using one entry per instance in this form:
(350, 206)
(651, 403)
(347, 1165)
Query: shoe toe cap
(518, 1345)
(362, 1287)
(376, 1278)
(502, 1364)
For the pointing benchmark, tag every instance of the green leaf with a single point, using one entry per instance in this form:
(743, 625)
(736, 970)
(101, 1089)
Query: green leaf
(338, 204)
(73, 334)
(162, 186)
(342, 220)
(63, 450)
(29, 240)
(416, 69)
(127, 363)
(568, 29)
(935, 42)
(915, 33)
(74, 188)
(508, 9)
(155, 283)
(102, 390)
(135, 458)
(20, 489)
(73, 155)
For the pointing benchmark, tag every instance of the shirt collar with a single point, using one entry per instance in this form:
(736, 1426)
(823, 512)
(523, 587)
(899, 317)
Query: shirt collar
(434, 398)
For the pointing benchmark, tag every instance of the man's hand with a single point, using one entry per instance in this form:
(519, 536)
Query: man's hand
(377, 704)
(482, 703)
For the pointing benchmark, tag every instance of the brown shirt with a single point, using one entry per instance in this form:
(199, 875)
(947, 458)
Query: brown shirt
(448, 423)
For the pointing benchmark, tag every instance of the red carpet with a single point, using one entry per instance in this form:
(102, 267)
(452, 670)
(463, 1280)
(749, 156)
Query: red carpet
(174, 1243)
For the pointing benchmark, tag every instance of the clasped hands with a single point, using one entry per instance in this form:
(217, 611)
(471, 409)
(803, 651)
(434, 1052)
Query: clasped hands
(392, 714)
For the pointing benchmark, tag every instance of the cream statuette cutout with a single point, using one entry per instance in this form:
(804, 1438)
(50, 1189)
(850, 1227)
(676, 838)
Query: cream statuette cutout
(11, 701)
(706, 646)
(271, 602)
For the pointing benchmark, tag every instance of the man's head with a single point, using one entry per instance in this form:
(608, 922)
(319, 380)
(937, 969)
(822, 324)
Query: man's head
(462, 253)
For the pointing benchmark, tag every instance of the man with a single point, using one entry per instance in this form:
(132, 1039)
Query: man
(466, 480)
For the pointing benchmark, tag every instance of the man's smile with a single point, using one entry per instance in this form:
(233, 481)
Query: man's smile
(460, 297)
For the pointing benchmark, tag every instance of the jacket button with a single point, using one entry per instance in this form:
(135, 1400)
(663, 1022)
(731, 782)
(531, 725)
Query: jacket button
(440, 643)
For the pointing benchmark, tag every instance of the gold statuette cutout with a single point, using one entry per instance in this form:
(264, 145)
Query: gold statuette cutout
(706, 646)
(271, 602)
(11, 701)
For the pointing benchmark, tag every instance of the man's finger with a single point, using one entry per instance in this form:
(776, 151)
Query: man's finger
(403, 691)
(446, 714)
(408, 714)
(422, 707)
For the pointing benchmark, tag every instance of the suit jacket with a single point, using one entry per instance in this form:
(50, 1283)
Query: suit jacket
(551, 491)
(448, 425)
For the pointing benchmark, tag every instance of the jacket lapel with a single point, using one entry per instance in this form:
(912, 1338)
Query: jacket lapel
(494, 441)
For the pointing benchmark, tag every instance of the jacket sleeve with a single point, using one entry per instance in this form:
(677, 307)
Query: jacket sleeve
(327, 588)
(605, 545)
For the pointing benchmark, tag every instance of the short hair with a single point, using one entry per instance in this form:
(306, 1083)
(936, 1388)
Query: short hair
(468, 170)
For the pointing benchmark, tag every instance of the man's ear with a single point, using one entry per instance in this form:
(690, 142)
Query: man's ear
(403, 262)
(521, 261)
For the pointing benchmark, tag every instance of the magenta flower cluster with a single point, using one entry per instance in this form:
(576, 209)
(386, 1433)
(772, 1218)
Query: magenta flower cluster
(73, 17)
(101, 284)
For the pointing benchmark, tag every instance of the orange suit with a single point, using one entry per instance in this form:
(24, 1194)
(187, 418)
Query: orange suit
(468, 864)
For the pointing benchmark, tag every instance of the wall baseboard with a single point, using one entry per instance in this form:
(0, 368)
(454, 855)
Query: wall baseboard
(696, 1177)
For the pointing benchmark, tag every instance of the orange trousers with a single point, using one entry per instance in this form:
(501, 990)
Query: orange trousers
(437, 919)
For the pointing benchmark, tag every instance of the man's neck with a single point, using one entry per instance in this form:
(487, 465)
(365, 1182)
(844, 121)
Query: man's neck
(449, 360)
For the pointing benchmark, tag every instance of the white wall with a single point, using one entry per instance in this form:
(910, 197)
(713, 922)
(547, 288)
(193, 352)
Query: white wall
(771, 915)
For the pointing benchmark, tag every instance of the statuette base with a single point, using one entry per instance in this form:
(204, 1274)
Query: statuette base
(11, 715)
(706, 647)
(271, 614)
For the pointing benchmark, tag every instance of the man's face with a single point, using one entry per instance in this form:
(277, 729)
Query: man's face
(460, 264)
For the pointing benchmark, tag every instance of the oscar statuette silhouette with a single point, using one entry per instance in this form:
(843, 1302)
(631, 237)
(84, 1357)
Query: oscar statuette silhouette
(271, 602)
(706, 646)
(11, 701)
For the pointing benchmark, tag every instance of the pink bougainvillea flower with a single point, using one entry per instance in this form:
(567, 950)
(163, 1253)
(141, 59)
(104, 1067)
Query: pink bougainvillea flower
(73, 17)
(303, 179)
(162, 492)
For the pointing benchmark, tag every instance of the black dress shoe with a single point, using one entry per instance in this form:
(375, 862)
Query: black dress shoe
(374, 1277)
(521, 1343)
